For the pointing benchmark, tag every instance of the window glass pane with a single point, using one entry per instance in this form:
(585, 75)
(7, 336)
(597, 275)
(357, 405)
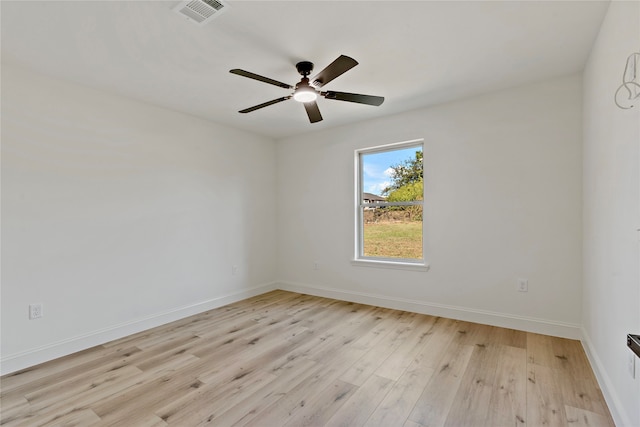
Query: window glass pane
(379, 170)
(390, 177)
(393, 232)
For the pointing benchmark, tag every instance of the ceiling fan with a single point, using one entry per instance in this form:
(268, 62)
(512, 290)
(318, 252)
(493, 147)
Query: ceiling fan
(307, 92)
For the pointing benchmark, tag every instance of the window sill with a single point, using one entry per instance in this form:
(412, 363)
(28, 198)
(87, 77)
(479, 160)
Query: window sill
(398, 265)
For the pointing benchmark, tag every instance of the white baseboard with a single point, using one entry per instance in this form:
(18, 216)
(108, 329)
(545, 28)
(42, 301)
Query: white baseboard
(25, 359)
(15, 362)
(528, 324)
(616, 408)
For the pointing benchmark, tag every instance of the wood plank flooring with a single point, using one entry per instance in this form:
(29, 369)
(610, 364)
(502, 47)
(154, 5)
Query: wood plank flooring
(286, 359)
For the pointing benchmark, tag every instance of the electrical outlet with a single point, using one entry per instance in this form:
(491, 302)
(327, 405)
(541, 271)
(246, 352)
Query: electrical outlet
(523, 285)
(631, 364)
(316, 265)
(35, 311)
(234, 269)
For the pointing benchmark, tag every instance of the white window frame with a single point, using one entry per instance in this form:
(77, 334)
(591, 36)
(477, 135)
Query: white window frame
(383, 262)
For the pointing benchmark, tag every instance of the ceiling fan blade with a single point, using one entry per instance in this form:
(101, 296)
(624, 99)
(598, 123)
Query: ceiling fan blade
(338, 67)
(266, 104)
(254, 76)
(313, 111)
(354, 97)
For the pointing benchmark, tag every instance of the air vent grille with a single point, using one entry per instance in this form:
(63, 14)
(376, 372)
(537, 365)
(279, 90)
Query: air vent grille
(201, 11)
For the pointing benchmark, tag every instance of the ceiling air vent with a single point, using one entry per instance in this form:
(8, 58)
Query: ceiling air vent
(201, 11)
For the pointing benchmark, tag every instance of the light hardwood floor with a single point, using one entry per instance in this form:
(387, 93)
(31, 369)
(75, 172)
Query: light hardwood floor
(286, 359)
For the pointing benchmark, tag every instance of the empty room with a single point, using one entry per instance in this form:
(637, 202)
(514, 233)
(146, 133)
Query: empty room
(320, 213)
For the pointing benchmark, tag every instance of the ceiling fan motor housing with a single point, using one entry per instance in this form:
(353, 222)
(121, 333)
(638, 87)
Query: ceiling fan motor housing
(304, 68)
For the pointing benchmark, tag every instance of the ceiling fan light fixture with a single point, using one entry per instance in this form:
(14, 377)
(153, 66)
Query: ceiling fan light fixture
(305, 94)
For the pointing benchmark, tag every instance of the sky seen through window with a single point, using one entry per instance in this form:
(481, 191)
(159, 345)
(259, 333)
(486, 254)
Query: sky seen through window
(376, 168)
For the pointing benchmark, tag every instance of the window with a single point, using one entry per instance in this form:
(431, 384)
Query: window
(389, 206)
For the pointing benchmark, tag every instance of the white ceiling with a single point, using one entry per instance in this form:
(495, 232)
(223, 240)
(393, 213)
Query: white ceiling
(414, 53)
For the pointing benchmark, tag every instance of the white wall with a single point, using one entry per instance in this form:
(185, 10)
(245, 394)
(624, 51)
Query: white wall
(611, 294)
(503, 201)
(118, 216)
